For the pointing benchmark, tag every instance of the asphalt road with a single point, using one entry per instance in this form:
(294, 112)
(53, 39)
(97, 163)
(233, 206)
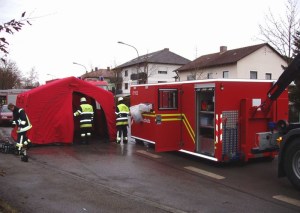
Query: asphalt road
(107, 177)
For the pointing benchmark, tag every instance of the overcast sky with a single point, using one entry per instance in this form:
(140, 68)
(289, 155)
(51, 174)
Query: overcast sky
(87, 32)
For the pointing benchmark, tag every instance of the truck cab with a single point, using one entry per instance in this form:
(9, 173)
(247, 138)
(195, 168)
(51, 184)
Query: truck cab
(289, 133)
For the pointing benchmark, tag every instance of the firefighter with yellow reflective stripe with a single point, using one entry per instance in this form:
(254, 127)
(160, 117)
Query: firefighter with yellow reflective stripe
(20, 119)
(86, 115)
(122, 113)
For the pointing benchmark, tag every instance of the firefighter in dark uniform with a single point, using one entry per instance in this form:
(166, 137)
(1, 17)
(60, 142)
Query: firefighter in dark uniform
(20, 119)
(86, 115)
(122, 112)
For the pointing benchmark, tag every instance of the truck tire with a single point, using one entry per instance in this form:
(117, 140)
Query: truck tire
(292, 162)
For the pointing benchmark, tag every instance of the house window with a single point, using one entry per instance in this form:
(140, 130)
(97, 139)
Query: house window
(209, 75)
(126, 85)
(162, 72)
(225, 74)
(268, 76)
(253, 75)
(126, 73)
(191, 77)
(167, 99)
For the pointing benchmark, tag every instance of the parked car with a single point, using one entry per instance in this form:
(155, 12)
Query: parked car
(6, 116)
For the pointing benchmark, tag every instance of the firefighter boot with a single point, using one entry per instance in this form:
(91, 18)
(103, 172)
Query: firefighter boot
(118, 137)
(24, 156)
(125, 140)
(83, 140)
(88, 138)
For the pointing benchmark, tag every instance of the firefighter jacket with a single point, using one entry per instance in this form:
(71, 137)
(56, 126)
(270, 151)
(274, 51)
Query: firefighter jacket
(122, 113)
(21, 120)
(86, 113)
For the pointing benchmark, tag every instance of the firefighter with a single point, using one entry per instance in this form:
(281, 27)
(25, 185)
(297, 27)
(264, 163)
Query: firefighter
(86, 115)
(122, 112)
(20, 119)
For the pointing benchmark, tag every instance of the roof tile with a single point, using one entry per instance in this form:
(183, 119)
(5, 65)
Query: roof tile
(164, 56)
(221, 58)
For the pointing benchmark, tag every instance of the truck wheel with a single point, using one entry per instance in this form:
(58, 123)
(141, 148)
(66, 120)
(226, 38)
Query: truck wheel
(292, 162)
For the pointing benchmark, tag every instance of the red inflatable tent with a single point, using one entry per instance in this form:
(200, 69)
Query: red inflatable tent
(50, 110)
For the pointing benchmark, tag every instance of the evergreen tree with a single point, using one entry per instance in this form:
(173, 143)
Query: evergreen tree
(294, 91)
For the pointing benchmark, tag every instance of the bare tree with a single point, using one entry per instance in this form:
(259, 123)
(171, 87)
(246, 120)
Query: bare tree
(11, 27)
(282, 34)
(279, 31)
(117, 80)
(149, 70)
(31, 80)
(10, 75)
(196, 73)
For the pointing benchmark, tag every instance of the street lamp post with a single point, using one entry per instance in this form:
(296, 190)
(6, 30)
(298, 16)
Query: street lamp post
(82, 66)
(137, 52)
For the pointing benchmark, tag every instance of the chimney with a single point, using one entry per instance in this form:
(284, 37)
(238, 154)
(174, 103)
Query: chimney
(96, 68)
(108, 68)
(223, 49)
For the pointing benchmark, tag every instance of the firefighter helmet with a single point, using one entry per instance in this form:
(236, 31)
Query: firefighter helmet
(120, 99)
(83, 99)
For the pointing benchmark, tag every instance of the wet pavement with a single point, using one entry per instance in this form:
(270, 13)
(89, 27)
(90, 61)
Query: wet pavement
(108, 177)
(72, 178)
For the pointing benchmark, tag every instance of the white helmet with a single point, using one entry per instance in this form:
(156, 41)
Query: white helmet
(120, 99)
(83, 99)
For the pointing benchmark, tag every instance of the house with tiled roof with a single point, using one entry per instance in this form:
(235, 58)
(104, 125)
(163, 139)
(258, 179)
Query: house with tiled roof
(155, 67)
(106, 74)
(97, 74)
(260, 61)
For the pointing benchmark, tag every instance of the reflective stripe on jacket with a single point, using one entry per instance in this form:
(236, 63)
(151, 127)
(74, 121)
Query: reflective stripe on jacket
(86, 114)
(21, 120)
(122, 114)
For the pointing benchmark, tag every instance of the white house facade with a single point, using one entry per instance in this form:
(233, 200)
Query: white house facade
(253, 62)
(161, 73)
(156, 67)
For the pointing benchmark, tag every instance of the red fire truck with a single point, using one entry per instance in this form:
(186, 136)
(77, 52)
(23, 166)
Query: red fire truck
(221, 120)
(99, 83)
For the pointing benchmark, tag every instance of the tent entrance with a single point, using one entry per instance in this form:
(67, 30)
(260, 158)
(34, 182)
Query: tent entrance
(100, 130)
